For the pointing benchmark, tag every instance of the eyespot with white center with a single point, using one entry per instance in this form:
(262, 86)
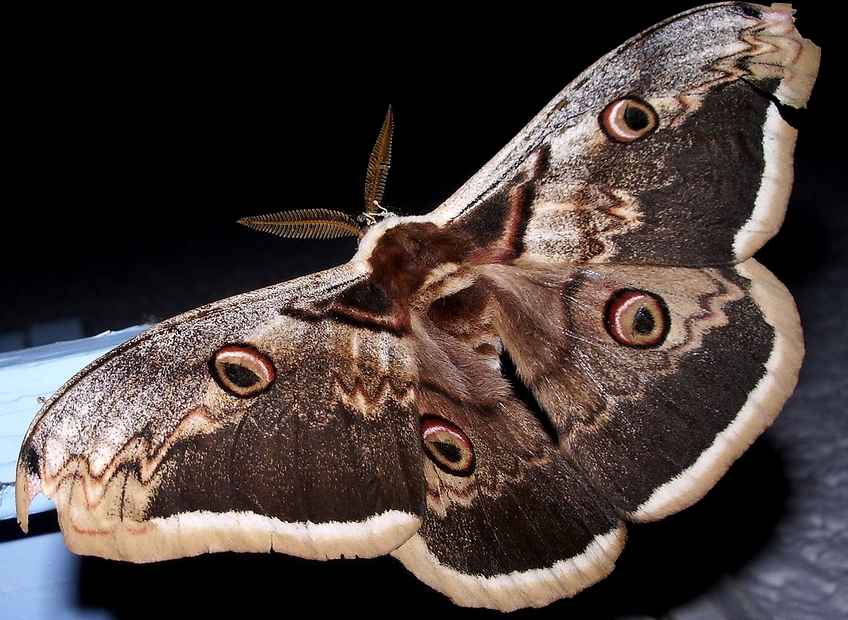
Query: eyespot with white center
(637, 319)
(629, 119)
(447, 446)
(242, 370)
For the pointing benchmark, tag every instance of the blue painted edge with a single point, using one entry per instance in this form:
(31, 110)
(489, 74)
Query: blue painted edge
(28, 374)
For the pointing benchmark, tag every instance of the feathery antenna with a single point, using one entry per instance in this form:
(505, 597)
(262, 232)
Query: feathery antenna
(305, 224)
(378, 165)
(329, 223)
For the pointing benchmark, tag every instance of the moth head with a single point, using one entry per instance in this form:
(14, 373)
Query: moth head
(628, 119)
(242, 370)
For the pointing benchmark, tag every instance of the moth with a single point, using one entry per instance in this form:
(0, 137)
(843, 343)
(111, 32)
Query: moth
(577, 339)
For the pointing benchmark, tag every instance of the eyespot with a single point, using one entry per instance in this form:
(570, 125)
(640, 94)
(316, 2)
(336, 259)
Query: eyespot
(637, 319)
(242, 370)
(447, 446)
(626, 120)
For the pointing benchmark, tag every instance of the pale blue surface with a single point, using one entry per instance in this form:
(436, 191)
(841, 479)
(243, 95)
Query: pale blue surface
(38, 575)
(38, 579)
(24, 376)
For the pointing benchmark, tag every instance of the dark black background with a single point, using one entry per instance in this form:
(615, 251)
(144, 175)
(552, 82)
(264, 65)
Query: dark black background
(140, 139)
(142, 142)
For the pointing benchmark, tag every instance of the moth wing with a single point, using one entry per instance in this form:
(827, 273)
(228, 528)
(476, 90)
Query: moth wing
(709, 185)
(522, 526)
(565, 221)
(148, 457)
(654, 423)
(609, 414)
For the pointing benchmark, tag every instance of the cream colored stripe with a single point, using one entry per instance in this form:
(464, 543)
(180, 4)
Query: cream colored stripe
(194, 533)
(775, 187)
(531, 588)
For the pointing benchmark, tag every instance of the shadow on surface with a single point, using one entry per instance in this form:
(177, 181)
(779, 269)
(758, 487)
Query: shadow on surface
(41, 523)
(663, 566)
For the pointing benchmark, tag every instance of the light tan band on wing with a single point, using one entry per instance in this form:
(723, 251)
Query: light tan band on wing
(518, 589)
(195, 533)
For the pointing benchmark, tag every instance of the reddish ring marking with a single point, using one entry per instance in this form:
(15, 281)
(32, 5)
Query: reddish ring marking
(621, 302)
(433, 425)
(248, 357)
(615, 126)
